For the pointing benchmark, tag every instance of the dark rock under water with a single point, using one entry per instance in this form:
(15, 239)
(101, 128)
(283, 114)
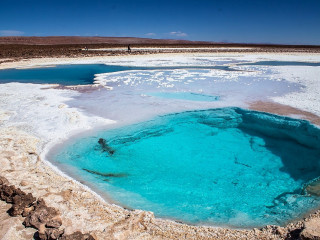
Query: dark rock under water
(222, 166)
(107, 175)
(313, 188)
(105, 147)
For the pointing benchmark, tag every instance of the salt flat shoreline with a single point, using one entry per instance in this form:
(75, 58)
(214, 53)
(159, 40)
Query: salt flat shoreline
(29, 62)
(23, 157)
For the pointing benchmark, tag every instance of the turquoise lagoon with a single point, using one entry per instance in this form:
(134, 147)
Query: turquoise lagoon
(227, 167)
(222, 167)
(81, 74)
(77, 74)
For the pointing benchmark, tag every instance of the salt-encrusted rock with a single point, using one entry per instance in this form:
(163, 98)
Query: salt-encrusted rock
(38, 215)
(42, 215)
(27, 211)
(49, 233)
(273, 230)
(55, 222)
(11, 228)
(3, 181)
(46, 219)
(21, 202)
(42, 231)
(24, 183)
(281, 231)
(6, 193)
(311, 230)
(78, 236)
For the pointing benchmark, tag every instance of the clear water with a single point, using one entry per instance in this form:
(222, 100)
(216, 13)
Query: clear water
(225, 166)
(190, 96)
(222, 167)
(82, 74)
(77, 74)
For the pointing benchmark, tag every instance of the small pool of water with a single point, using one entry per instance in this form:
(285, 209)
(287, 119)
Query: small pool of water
(82, 74)
(190, 96)
(78, 74)
(227, 167)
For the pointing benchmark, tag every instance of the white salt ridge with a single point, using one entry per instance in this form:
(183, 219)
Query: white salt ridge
(181, 59)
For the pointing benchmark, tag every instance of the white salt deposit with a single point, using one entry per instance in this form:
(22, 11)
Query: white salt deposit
(54, 114)
(41, 111)
(308, 98)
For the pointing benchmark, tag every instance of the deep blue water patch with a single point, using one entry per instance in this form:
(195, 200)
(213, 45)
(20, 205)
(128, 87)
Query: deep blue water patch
(77, 74)
(228, 166)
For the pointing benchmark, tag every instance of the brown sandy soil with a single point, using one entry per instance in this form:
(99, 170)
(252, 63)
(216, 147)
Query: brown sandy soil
(284, 110)
(33, 47)
(12, 228)
(65, 40)
(18, 52)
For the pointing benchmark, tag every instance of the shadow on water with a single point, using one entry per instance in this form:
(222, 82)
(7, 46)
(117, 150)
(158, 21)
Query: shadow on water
(143, 171)
(297, 144)
(299, 161)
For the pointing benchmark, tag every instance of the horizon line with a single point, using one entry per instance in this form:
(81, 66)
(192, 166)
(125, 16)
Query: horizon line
(168, 39)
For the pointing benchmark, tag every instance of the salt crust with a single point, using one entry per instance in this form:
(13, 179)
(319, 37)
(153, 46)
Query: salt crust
(33, 118)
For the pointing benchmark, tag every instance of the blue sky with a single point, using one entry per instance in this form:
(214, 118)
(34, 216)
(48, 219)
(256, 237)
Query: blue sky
(244, 21)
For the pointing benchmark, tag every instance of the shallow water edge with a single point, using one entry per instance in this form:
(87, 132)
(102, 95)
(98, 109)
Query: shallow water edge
(280, 123)
(93, 222)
